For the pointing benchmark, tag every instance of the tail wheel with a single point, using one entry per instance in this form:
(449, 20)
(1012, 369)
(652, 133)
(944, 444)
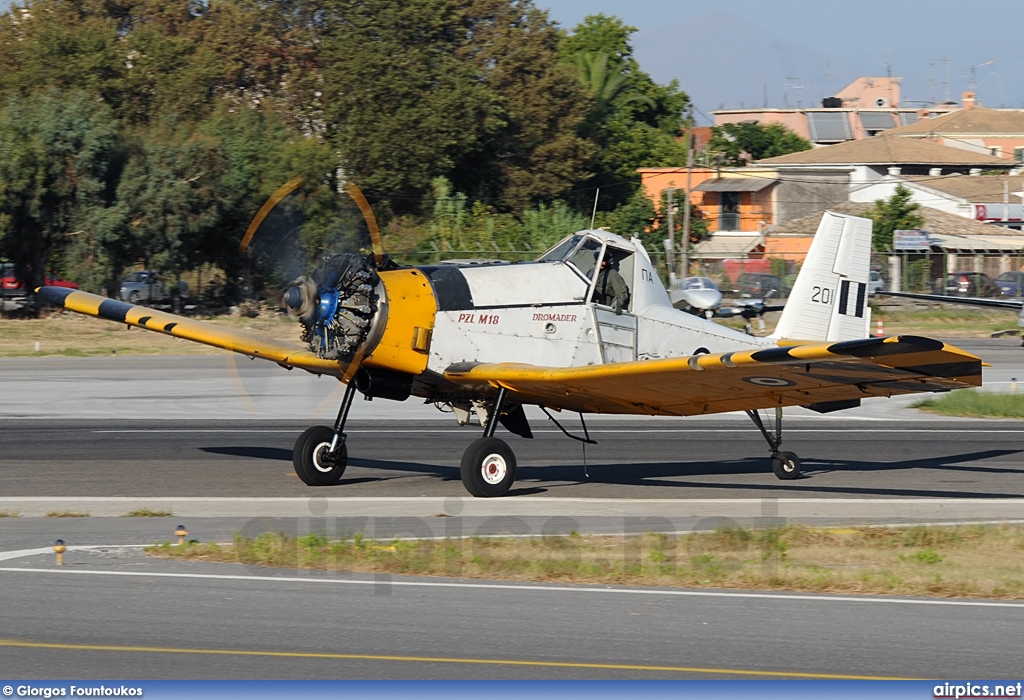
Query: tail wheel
(313, 460)
(786, 465)
(488, 468)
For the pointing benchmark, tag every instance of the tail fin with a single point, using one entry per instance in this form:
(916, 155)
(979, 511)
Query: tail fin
(829, 298)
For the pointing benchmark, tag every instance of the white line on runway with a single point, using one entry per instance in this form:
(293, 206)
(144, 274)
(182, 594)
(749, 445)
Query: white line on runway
(518, 587)
(19, 553)
(831, 431)
(547, 500)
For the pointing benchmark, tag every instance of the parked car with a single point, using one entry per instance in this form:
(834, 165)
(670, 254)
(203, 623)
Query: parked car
(9, 284)
(971, 284)
(1011, 284)
(12, 287)
(149, 287)
(875, 282)
(756, 284)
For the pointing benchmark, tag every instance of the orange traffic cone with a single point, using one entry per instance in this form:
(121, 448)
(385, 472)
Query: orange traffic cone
(881, 330)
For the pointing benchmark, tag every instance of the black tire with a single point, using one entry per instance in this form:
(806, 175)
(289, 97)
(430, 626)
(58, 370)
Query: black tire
(133, 297)
(488, 468)
(311, 460)
(786, 465)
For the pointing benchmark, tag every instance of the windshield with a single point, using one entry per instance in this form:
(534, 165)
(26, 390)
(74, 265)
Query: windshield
(560, 251)
(698, 283)
(584, 258)
(137, 277)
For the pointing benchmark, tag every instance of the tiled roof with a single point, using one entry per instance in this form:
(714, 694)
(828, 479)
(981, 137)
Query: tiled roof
(973, 121)
(935, 221)
(981, 189)
(885, 149)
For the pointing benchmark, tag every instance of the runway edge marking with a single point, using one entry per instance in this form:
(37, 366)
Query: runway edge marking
(525, 587)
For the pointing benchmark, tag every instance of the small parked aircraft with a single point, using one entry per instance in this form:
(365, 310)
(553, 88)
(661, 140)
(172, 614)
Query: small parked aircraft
(700, 296)
(491, 338)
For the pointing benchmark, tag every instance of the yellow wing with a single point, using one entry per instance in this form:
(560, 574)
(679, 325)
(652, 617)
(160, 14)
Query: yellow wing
(797, 375)
(249, 344)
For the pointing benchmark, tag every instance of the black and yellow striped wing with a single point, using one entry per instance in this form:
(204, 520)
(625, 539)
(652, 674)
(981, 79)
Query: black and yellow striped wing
(238, 341)
(798, 375)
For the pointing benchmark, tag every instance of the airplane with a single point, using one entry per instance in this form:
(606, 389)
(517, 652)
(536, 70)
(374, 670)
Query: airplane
(700, 296)
(490, 339)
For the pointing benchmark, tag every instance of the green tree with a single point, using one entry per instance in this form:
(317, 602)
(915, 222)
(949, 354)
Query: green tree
(634, 217)
(59, 160)
(898, 212)
(535, 153)
(610, 87)
(736, 145)
(399, 105)
(634, 122)
(698, 226)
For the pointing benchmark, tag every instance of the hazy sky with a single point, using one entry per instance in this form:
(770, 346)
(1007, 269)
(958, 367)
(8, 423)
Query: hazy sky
(805, 50)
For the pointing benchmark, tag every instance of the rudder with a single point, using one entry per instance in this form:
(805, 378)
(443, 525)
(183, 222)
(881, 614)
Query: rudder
(829, 298)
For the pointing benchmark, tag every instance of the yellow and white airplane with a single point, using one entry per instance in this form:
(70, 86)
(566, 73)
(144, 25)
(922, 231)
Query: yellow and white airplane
(492, 338)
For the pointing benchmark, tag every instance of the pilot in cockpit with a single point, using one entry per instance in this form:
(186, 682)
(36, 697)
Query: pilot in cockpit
(610, 289)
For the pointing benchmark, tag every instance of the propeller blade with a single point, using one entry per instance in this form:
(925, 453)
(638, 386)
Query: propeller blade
(282, 192)
(371, 221)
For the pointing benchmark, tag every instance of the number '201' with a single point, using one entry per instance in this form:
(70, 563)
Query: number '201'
(822, 295)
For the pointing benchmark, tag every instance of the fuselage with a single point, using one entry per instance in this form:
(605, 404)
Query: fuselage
(545, 313)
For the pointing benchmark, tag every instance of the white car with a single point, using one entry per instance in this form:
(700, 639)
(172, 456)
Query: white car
(875, 282)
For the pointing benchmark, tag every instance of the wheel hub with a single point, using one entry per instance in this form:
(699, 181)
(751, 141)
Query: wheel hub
(322, 460)
(494, 468)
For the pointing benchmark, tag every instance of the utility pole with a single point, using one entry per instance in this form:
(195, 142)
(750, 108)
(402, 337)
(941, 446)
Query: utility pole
(684, 258)
(672, 223)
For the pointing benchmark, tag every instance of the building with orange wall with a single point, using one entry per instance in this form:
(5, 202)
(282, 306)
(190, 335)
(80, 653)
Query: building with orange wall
(729, 199)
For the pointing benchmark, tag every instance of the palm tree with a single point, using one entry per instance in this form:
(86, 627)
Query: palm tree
(609, 88)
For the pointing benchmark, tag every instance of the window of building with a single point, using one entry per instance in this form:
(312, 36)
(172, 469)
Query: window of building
(996, 151)
(1018, 155)
(730, 217)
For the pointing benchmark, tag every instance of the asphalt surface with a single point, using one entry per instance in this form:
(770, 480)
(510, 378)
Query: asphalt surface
(119, 433)
(112, 615)
(655, 459)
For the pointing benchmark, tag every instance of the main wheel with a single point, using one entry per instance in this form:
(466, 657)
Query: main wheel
(488, 468)
(786, 465)
(313, 461)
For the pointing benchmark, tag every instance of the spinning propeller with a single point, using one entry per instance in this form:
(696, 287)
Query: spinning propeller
(338, 299)
(750, 310)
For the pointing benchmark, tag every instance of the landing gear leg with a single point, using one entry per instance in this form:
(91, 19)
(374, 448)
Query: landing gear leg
(320, 455)
(489, 465)
(785, 465)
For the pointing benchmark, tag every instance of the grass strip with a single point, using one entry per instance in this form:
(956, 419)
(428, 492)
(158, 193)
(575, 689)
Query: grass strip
(959, 561)
(147, 513)
(975, 404)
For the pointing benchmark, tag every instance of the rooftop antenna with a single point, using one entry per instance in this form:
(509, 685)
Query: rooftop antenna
(794, 83)
(974, 75)
(931, 78)
(945, 83)
(593, 214)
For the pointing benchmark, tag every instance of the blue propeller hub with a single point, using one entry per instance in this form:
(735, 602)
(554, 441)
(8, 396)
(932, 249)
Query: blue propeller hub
(327, 307)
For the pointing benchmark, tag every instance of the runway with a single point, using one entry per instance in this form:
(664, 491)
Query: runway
(114, 616)
(210, 440)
